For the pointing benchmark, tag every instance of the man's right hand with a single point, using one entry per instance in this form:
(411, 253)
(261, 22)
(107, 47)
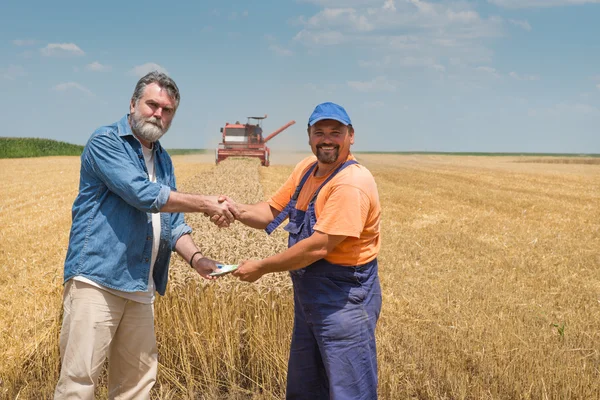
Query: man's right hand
(225, 211)
(220, 210)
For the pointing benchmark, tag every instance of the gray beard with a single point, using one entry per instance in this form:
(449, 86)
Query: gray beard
(328, 158)
(146, 129)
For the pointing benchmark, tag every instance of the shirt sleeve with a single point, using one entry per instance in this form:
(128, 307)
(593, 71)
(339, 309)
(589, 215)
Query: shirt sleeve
(106, 157)
(178, 224)
(282, 197)
(345, 211)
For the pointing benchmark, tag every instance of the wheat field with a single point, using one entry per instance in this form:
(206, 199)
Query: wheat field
(490, 271)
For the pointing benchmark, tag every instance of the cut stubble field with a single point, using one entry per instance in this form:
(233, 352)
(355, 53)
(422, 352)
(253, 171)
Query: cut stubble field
(490, 271)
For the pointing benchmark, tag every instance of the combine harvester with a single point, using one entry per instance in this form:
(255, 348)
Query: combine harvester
(246, 140)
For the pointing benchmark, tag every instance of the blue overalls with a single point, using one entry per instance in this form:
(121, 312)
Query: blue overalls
(333, 354)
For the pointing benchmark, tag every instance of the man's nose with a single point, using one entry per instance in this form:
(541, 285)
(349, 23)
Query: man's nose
(158, 112)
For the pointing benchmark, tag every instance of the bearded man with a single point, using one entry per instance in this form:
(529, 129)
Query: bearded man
(126, 220)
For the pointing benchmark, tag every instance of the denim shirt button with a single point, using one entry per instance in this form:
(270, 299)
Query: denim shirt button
(146, 260)
(148, 237)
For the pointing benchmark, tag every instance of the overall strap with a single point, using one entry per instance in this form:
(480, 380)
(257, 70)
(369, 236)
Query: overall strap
(303, 181)
(286, 211)
(339, 169)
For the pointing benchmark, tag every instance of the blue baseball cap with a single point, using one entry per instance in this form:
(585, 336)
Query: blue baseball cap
(329, 110)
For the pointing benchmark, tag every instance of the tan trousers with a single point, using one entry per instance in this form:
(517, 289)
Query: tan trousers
(97, 325)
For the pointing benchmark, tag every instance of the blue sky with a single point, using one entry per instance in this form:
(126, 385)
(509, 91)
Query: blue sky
(490, 76)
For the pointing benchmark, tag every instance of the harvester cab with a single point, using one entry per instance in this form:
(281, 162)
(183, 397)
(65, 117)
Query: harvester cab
(246, 140)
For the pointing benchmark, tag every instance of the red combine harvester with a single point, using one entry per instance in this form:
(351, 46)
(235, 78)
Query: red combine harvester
(246, 140)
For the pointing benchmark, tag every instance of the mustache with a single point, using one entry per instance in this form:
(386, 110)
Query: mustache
(154, 121)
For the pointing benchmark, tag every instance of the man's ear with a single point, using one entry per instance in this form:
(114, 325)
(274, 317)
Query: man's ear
(131, 106)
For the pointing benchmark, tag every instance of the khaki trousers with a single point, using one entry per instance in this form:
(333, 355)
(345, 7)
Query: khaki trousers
(96, 325)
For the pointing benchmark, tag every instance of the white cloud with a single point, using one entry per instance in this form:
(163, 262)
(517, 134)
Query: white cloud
(376, 64)
(411, 61)
(143, 69)
(580, 108)
(520, 23)
(340, 17)
(327, 89)
(391, 61)
(462, 16)
(56, 49)
(274, 47)
(439, 67)
(97, 67)
(66, 86)
(344, 3)
(325, 38)
(24, 42)
(407, 14)
(564, 110)
(540, 3)
(489, 70)
(379, 84)
(411, 32)
(399, 42)
(282, 51)
(12, 72)
(518, 77)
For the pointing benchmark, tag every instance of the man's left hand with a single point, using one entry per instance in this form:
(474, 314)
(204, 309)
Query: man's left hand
(249, 271)
(204, 266)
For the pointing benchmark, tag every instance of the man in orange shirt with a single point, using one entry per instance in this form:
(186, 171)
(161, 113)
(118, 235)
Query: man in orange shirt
(333, 209)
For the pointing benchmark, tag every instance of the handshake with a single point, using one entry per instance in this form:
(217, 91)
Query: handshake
(222, 210)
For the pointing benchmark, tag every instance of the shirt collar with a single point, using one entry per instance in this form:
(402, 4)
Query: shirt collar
(124, 129)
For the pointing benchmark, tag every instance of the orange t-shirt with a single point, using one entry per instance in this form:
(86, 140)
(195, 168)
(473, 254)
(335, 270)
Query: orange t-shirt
(348, 205)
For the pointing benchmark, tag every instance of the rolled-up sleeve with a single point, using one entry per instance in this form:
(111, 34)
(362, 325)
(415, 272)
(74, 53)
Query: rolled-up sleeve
(161, 199)
(178, 228)
(107, 158)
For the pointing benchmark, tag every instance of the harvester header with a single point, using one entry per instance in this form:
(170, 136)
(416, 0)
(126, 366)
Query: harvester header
(246, 140)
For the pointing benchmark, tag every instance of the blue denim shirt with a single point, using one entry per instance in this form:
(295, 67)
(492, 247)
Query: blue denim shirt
(111, 234)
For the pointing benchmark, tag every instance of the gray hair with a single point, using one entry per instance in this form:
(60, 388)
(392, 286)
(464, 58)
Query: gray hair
(162, 80)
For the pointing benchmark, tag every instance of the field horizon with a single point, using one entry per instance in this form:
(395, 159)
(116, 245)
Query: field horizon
(25, 147)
